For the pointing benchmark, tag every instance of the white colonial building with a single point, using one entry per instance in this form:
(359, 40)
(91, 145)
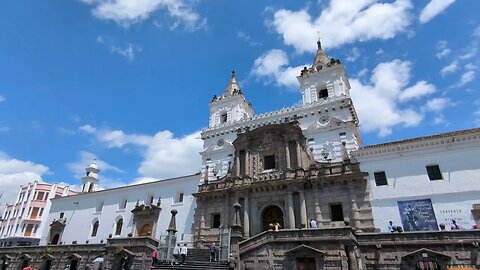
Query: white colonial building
(24, 220)
(422, 182)
(135, 210)
(327, 118)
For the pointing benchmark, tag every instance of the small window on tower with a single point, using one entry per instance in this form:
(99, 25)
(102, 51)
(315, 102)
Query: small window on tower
(223, 118)
(336, 212)
(269, 162)
(216, 220)
(323, 93)
(180, 197)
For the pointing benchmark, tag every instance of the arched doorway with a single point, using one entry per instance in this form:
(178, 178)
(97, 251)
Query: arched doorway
(146, 230)
(55, 239)
(270, 215)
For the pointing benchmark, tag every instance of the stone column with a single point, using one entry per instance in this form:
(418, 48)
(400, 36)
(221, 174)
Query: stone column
(247, 164)
(237, 163)
(246, 219)
(236, 229)
(352, 258)
(299, 156)
(255, 225)
(303, 209)
(287, 155)
(171, 239)
(290, 212)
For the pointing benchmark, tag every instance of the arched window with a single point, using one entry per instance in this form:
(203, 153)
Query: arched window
(118, 228)
(95, 228)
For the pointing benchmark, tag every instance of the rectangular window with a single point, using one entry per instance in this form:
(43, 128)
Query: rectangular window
(292, 150)
(336, 211)
(123, 204)
(34, 213)
(434, 173)
(380, 178)
(151, 199)
(223, 118)
(216, 220)
(269, 162)
(180, 197)
(40, 196)
(323, 93)
(46, 196)
(242, 158)
(99, 207)
(35, 229)
(62, 214)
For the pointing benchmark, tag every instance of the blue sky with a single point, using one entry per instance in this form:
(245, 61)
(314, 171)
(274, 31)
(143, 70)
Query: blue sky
(128, 81)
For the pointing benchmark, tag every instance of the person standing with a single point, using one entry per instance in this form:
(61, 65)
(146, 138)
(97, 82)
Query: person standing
(154, 257)
(455, 226)
(183, 254)
(213, 252)
(176, 255)
(390, 227)
(313, 223)
(232, 262)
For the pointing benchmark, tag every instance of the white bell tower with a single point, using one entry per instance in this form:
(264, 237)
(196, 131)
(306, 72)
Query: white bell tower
(91, 178)
(326, 78)
(230, 107)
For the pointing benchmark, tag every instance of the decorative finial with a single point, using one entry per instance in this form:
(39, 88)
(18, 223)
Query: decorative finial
(233, 74)
(319, 43)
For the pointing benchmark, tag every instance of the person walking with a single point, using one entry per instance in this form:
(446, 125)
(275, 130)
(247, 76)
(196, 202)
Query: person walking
(183, 254)
(232, 262)
(213, 252)
(176, 255)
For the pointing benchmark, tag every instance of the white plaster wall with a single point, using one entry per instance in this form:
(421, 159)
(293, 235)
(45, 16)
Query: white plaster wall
(452, 197)
(80, 210)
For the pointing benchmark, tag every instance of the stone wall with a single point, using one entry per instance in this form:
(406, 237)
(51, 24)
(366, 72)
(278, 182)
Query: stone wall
(135, 253)
(343, 248)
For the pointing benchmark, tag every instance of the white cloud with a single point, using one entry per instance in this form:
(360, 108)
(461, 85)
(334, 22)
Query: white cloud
(128, 12)
(433, 8)
(86, 158)
(449, 69)
(353, 54)
(378, 102)
(14, 172)
(128, 51)
(437, 104)
(2, 98)
(379, 52)
(164, 155)
(348, 21)
(417, 91)
(4, 129)
(467, 77)
(247, 38)
(471, 52)
(443, 50)
(273, 67)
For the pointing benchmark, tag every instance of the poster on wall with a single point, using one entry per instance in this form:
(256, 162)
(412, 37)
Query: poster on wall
(417, 215)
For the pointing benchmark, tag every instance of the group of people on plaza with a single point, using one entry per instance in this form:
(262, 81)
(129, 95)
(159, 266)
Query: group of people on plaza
(313, 224)
(454, 226)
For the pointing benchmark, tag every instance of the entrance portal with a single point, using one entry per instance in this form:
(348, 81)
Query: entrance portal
(271, 215)
(55, 239)
(306, 264)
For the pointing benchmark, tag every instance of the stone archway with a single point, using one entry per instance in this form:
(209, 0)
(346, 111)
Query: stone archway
(270, 215)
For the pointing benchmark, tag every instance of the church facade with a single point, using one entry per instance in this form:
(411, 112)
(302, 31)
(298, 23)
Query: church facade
(288, 189)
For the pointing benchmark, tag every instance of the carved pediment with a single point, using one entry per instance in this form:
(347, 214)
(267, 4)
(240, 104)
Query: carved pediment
(327, 122)
(305, 250)
(58, 223)
(220, 146)
(425, 253)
